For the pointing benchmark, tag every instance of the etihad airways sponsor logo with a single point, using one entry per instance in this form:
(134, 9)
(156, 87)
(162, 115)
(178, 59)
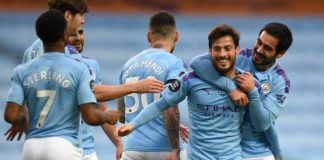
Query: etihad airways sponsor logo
(217, 108)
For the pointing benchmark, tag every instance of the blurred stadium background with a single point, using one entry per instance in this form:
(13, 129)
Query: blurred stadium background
(115, 31)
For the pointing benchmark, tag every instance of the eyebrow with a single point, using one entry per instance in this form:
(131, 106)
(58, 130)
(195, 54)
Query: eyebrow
(267, 46)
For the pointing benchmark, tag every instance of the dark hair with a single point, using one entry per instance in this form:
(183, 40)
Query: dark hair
(50, 26)
(162, 24)
(74, 6)
(221, 31)
(280, 31)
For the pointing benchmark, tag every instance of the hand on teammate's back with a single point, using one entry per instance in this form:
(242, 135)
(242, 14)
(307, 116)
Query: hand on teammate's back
(150, 84)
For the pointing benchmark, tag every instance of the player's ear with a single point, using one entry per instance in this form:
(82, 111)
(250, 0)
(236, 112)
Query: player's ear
(280, 54)
(237, 49)
(176, 36)
(65, 36)
(149, 37)
(67, 15)
(210, 51)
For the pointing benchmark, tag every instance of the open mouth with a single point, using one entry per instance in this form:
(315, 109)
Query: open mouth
(223, 60)
(260, 56)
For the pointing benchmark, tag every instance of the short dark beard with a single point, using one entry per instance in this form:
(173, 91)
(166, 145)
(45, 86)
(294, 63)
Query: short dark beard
(265, 64)
(221, 71)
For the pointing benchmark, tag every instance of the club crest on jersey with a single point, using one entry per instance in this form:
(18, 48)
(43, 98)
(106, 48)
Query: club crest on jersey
(222, 93)
(174, 85)
(266, 87)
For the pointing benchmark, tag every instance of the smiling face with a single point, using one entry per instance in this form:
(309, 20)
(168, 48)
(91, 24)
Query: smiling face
(265, 53)
(77, 39)
(223, 53)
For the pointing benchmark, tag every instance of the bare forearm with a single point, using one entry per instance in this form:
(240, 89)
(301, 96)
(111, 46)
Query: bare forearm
(106, 92)
(171, 123)
(98, 118)
(21, 118)
(92, 115)
(15, 113)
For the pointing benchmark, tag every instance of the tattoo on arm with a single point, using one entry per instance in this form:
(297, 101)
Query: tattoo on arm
(171, 118)
(121, 109)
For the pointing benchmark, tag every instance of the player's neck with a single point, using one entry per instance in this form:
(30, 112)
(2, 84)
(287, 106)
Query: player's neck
(162, 44)
(264, 67)
(54, 47)
(230, 74)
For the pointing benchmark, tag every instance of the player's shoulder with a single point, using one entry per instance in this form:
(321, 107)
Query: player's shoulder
(280, 71)
(33, 51)
(89, 60)
(69, 49)
(71, 63)
(169, 56)
(160, 53)
(91, 63)
(192, 80)
(36, 45)
(247, 52)
(189, 76)
(281, 77)
(21, 68)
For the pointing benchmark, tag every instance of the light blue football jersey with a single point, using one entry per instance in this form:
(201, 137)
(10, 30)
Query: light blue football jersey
(36, 49)
(88, 143)
(215, 121)
(164, 66)
(275, 86)
(53, 86)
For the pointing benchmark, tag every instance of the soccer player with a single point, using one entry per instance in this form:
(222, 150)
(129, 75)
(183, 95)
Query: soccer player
(259, 141)
(89, 152)
(215, 120)
(105, 93)
(74, 11)
(54, 95)
(158, 139)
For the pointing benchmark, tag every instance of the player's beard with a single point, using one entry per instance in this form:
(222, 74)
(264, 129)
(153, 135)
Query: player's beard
(259, 60)
(224, 67)
(79, 47)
